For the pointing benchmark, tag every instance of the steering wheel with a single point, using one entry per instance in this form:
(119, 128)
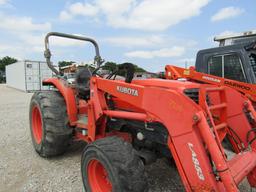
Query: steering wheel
(95, 72)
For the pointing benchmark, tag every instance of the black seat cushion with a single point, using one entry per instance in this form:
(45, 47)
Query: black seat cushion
(83, 83)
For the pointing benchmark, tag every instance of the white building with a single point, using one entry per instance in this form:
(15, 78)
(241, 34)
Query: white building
(27, 75)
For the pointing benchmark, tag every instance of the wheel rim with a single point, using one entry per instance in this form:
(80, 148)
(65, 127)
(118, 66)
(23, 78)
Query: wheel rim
(98, 177)
(37, 124)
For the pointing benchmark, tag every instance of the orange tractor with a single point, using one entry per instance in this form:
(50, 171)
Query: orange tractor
(232, 64)
(175, 73)
(129, 123)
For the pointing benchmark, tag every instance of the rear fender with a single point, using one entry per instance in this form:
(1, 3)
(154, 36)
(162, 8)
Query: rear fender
(69, 97)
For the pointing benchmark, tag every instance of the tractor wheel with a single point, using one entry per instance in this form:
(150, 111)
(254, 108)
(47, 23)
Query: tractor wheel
(111, 165)
(49, 123)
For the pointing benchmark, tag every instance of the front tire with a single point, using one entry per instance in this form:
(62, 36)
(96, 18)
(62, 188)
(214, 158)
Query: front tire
(111, 165)
(49, 123)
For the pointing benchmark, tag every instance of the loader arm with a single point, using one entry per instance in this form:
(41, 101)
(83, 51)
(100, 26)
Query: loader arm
(194, 143)
(173, 72)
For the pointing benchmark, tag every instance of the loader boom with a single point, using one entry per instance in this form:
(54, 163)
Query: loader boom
(174, 72)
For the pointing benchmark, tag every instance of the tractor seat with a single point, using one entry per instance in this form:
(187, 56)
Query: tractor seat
(82, 81)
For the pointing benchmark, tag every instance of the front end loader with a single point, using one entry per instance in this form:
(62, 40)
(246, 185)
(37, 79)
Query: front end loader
(129, 123)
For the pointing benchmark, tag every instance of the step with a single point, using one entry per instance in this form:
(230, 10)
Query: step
(220, 126)
(218, 106)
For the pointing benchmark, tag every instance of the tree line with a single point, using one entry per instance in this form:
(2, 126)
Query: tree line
(7, 60)
(4, 62)
(110, 65)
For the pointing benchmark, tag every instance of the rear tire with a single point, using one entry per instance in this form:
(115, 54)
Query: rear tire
(110, 164)
(49, 128)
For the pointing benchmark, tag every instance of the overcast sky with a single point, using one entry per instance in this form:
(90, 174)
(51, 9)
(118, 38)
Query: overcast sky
(149, 33)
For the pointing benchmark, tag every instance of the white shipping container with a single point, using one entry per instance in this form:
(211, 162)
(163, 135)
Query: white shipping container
(28, 75)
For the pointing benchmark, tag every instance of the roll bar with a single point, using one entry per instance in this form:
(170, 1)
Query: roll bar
(47, 53)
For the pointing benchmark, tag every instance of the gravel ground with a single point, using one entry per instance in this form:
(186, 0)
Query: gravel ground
(22, 170)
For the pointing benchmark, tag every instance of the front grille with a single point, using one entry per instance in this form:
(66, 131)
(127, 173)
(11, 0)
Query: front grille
(192, 94)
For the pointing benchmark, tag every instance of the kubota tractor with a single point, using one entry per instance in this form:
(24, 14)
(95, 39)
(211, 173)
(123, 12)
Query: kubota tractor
(129, 123)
